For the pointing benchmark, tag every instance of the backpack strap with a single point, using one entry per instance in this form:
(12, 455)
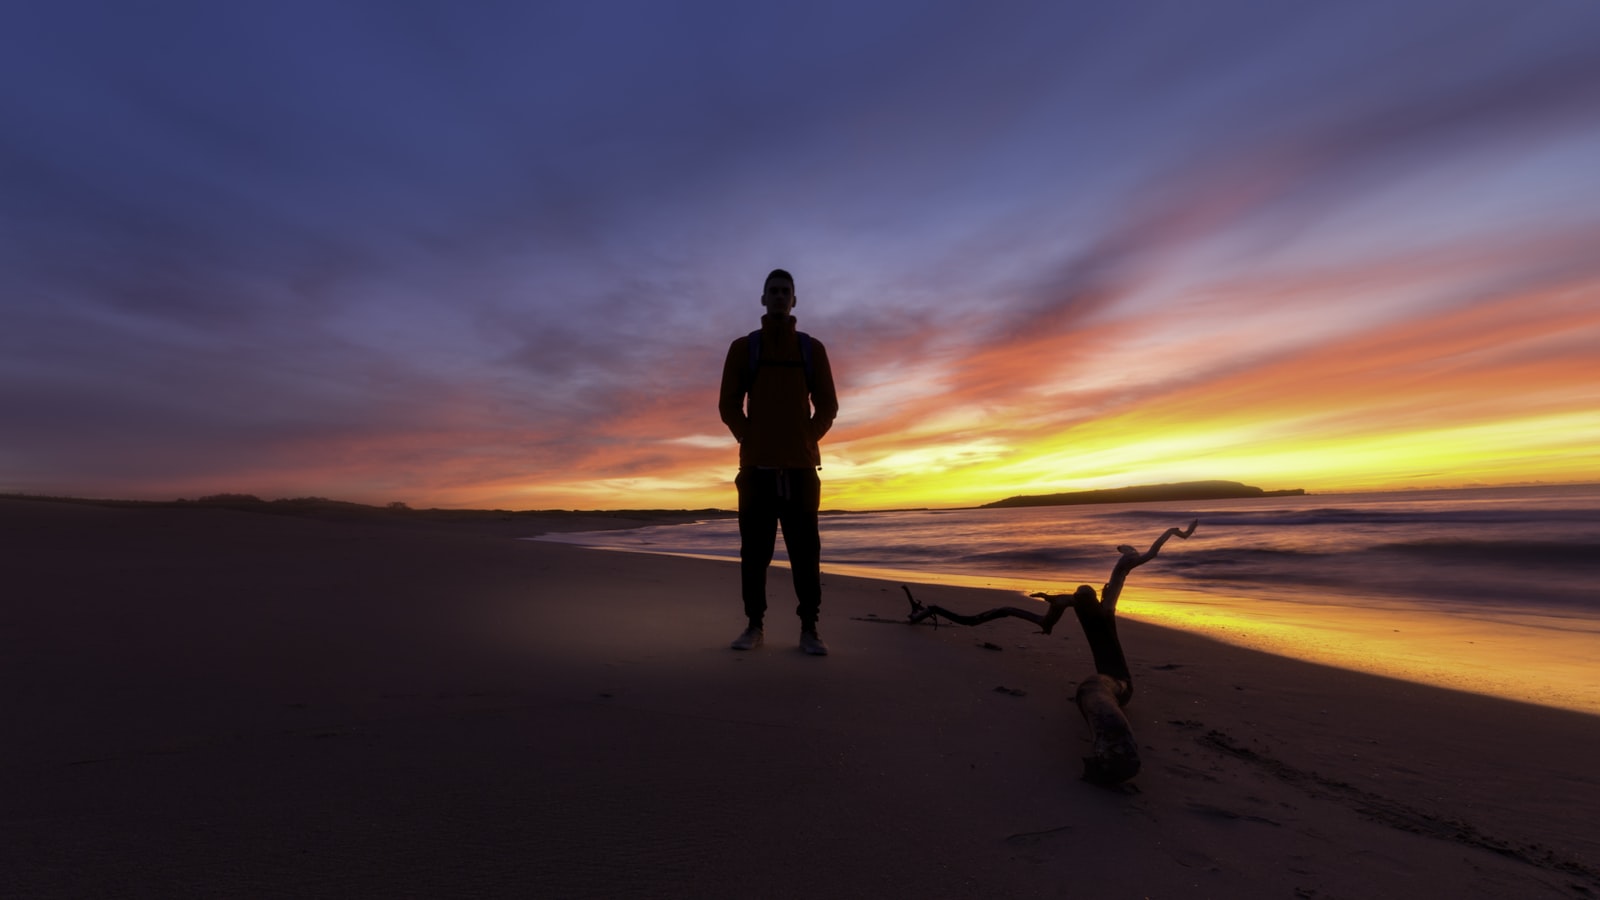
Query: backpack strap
(753, 368)
(805, 357)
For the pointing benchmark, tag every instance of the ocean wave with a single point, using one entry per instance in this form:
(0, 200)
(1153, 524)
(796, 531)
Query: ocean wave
(1021, 559)
(1338, 515)
(1512, 552)
(1538, 548)
(1247, 555)
(1035, 558)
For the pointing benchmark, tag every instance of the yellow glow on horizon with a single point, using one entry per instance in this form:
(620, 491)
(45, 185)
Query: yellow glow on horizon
(1308, 453)
(1553, 448)
(1503, 390)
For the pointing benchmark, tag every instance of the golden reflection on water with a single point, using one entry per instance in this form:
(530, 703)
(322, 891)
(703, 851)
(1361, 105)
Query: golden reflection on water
(1528, 657)
(1542, 659)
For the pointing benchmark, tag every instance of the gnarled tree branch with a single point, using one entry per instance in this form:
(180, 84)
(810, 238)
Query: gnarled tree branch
(1101, 696)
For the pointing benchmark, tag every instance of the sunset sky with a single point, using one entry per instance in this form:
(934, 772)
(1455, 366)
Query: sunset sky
(492, 254)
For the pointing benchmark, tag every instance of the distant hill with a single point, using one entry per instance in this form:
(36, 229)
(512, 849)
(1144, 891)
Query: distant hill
(1147, 493)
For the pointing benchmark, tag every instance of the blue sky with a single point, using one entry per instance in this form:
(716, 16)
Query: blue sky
(492, 253)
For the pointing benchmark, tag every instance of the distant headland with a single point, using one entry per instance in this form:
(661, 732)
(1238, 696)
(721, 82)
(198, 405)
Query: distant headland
(1147, 493)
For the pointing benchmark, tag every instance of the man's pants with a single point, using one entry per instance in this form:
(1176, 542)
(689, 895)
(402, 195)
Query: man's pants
(768, 497)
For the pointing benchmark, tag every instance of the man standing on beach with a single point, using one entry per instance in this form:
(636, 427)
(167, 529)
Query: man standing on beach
(791, 404)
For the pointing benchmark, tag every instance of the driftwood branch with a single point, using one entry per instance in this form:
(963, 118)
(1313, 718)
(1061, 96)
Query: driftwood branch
(1101, 696)
(1132, 559)
(920, 612)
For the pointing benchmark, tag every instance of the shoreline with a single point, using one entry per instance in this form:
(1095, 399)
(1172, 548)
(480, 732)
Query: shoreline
(565, 519)
(228, 703)
(1550, 665)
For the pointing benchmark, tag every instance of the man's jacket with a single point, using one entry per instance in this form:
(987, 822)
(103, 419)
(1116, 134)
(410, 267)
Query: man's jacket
(774, 414)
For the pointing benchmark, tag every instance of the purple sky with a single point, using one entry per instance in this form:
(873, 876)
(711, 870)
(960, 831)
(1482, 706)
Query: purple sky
(474, 253)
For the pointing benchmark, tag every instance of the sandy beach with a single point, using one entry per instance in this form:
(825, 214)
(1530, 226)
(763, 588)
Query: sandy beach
(207, 703)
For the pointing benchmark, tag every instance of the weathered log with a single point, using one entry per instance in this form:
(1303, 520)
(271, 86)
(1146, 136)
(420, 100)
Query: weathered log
(1100, 697)
(1114, 757)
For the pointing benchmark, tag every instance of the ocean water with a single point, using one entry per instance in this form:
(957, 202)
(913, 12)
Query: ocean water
(1494, 590)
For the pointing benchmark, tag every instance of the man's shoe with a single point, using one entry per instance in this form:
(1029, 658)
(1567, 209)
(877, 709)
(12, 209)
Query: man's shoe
(810, 643)
(750, 640)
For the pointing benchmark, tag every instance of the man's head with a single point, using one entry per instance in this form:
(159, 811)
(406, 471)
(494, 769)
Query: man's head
(777, 295)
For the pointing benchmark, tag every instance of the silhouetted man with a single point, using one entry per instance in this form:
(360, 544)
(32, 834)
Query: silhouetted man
(778, 400)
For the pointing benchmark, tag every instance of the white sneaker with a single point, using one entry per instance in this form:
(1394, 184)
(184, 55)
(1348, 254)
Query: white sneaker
(812, 644)
(750, 640)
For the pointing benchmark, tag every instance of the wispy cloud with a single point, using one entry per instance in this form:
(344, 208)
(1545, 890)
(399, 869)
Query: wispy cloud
(495, 256)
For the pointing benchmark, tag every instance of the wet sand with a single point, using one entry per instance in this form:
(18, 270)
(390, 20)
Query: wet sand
(204, 702)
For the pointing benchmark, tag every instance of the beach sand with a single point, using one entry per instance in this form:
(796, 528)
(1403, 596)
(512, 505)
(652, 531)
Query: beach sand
(205, 702)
